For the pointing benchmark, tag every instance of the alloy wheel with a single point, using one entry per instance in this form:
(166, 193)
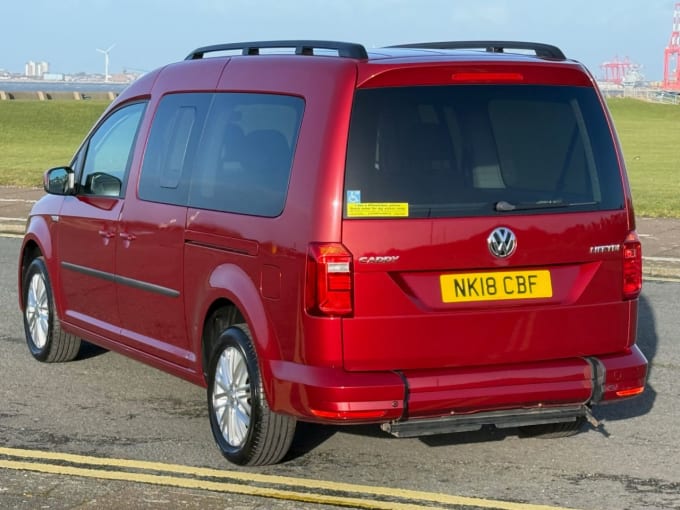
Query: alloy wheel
(231, 396)
(37, 310)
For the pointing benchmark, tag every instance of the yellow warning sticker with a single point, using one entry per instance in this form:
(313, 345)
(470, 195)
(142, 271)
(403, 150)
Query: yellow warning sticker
(377, 209)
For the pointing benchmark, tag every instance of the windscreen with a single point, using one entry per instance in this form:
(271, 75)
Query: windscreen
(448, 151)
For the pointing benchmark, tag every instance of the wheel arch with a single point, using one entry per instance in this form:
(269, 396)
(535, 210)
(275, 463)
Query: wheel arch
(37, 242)
(221, 314)
(233, 298)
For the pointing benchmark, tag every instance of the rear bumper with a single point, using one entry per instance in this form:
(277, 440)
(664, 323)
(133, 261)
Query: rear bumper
(514, 392)
(625, 375)
(332, 395)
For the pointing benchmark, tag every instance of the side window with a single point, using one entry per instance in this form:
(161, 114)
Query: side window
(245, 154)
(171, 148)
(108, 153)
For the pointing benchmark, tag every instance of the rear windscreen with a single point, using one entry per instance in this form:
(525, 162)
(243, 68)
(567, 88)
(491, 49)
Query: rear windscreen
(447, 151)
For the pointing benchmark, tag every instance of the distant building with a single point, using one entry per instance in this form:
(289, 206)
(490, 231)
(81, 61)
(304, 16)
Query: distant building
(36, 69)
(53, 77)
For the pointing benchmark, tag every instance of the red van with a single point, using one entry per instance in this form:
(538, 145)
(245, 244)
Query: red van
(434, 237)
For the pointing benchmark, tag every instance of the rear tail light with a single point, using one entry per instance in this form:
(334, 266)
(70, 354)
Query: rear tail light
(328, 289)
(632, 266)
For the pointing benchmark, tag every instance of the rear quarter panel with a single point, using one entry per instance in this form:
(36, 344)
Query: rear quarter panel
(259, 263)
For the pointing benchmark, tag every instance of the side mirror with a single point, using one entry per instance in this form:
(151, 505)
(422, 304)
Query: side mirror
(59, 181)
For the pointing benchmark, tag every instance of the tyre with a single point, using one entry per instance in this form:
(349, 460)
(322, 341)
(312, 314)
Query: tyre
(553, 430)
(247, 432)
(44, 336)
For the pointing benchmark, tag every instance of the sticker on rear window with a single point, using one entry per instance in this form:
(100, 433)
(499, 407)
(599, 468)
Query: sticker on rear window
(377, 209)
(353, 196)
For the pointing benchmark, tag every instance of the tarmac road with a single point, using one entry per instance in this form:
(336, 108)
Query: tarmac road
(107, 432)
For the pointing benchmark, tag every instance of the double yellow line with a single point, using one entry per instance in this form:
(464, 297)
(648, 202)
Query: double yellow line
(248, 484)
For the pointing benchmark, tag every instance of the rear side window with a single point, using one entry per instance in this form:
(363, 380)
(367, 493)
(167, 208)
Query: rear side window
(246, 152)
(228, 152)
(171, 148)
(479, 150)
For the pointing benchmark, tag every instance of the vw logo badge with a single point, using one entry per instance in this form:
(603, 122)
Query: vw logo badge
(502, 242)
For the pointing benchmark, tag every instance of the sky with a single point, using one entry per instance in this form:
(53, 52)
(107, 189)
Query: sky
(146, 34)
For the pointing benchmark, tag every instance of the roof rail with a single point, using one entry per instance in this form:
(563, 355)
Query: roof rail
(302, 47)
(541, 50)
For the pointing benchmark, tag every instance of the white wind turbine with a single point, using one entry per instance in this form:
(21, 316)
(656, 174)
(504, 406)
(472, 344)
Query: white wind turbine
(106, 61)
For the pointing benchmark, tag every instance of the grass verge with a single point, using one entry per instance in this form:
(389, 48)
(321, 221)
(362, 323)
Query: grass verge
(36, 135)
(650, 137)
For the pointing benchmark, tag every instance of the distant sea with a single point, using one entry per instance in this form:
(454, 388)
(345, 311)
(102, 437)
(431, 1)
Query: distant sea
(60, 86)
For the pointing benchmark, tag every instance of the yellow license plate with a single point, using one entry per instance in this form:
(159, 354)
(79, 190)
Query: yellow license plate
(501, 285)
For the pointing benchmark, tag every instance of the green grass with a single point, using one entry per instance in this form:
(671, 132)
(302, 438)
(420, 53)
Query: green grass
(650, 137)
(36, 135)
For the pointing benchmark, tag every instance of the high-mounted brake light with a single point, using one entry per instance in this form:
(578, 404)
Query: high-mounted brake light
(632, 266)
(328, 289)
(481, 77)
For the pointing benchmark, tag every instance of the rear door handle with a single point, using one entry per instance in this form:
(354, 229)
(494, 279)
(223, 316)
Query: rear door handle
(127, 236)
(107, 234)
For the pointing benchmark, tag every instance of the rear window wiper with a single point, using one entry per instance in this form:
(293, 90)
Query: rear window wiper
(504, 206)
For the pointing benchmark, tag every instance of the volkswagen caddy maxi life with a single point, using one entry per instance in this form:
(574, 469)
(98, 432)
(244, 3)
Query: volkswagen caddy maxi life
(433, 237)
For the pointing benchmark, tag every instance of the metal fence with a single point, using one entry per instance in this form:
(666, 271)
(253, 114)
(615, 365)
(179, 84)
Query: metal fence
(653, 95)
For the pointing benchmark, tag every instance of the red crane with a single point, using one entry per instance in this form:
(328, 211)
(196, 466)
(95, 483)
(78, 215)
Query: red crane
(671, 64)
(615, 70)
